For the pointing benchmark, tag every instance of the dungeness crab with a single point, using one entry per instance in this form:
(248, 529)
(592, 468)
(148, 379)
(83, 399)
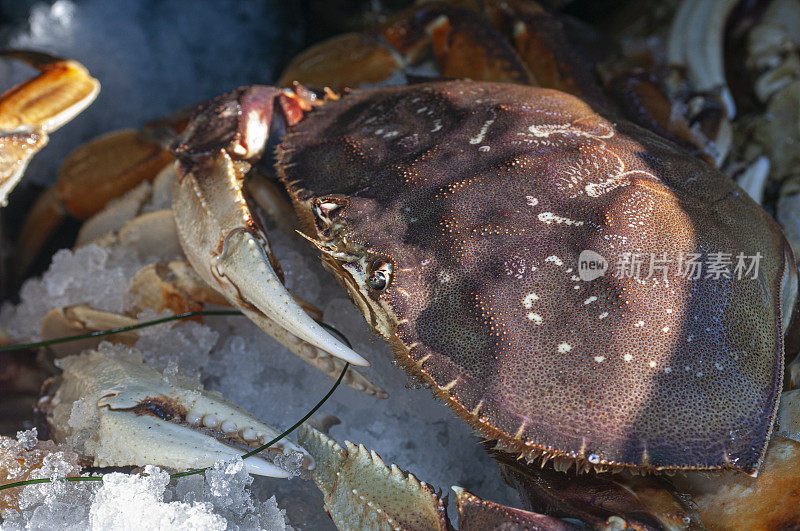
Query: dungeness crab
(472, 222)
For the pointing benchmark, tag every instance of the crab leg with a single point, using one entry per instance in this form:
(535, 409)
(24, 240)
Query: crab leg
(219, 233)
(31, 110)
(362, 492)
(696, 39)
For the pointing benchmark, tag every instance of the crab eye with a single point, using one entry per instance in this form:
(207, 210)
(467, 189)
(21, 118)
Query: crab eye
(381, 275)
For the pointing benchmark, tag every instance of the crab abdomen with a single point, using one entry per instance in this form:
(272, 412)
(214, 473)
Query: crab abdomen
(482, 198)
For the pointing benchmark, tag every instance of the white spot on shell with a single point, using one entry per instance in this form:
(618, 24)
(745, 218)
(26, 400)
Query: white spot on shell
(477, 139)
(535, 317)
(554, 259)
(603, 315)
(529, 299)
(532, 201)
(652, 363)
(543, 131)
(599, 189)
(639, 324)
(590, 300)
(564, 348)
(599, 359)
(627, 357)
(550, 217)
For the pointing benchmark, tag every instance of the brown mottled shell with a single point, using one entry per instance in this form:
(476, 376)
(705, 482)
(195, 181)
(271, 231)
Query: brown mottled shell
(483, 196)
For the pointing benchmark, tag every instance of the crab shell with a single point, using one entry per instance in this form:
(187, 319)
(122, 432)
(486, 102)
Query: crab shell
(475, 201)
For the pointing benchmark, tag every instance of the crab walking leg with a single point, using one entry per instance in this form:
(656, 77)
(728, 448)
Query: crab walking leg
(132, 415)
(362, 492)
(218, 232)
(31, 110)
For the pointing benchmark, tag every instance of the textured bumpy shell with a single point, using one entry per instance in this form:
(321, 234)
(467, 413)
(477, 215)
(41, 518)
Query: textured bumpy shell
(483, 196)
(362, 492)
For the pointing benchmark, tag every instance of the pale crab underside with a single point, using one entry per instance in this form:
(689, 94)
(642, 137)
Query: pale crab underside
(470, 203)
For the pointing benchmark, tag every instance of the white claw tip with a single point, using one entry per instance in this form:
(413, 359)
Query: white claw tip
(259, 467)
(348, 355)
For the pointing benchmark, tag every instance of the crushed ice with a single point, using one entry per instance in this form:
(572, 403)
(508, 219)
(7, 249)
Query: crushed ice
(218, 500)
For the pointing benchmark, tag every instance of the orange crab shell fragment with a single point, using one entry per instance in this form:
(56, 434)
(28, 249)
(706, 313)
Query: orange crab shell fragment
(63, 89)
(110, 165)
(482, 196)
(350, 59)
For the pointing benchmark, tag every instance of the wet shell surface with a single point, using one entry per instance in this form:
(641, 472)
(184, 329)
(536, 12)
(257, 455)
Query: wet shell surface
(459, 211)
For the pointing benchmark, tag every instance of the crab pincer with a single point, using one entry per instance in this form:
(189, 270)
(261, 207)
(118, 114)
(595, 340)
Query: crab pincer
(33, 109)
(220, 235)
(121, 412)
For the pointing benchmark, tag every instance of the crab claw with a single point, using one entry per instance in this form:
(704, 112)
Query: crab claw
(31, 110)
(218, 231)
(117, 411)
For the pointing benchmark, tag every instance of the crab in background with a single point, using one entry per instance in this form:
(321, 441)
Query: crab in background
(455, 212)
